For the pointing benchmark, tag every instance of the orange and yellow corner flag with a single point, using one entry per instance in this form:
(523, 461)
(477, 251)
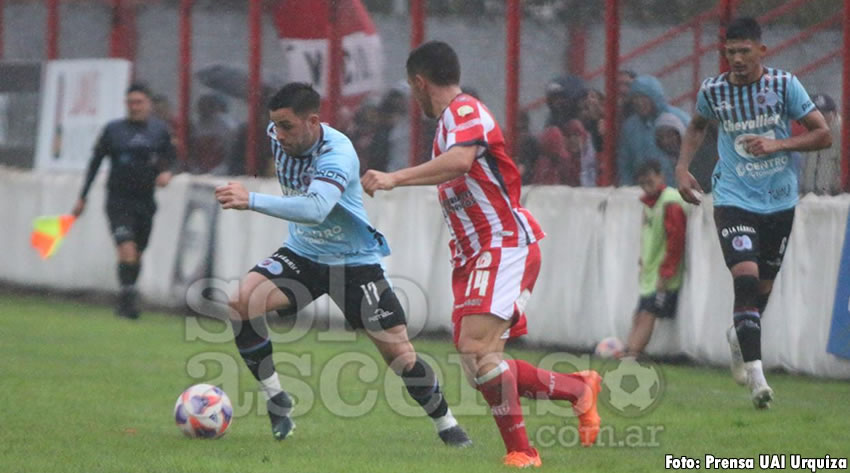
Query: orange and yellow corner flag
(48, 233)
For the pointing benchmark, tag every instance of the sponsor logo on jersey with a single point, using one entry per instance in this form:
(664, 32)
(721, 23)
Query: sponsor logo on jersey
(723, 106)
(760, 121)
(763, 168)
(458, 202)
(464, 110)
(334, 233)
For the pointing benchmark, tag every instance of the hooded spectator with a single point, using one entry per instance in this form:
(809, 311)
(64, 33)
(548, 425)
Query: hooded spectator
(637, 139)
(562, 96)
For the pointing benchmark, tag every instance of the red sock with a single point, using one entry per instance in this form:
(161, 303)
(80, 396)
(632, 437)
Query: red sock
(501, 395)
(535, 383)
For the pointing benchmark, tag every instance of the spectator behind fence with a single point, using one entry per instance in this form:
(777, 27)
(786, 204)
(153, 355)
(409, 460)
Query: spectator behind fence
(212, 137)
(562, 96)
(237, 162)
(580, 146)
(393, 114)
(527, 148)
(363, 132)
(556, 165)
(669, 130)
(637, 138)
(821, 170)
(591, 109)
(624, 83)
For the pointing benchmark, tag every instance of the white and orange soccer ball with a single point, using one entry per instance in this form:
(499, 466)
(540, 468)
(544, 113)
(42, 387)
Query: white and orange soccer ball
(610, 347)
(203, 411)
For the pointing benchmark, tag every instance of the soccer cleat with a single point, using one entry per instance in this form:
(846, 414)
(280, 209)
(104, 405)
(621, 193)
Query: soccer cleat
(127, 306)
(522, 459)
(455, 437)
(585, 408)
(739, 372)
(761, 393)
(279, 408)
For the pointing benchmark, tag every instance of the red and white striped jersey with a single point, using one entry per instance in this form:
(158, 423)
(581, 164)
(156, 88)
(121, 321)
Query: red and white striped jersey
(482, 206)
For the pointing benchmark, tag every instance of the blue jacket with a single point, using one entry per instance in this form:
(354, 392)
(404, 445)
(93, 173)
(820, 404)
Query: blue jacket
(637, 136)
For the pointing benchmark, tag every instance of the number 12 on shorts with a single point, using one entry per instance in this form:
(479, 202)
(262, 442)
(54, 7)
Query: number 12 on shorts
(478, 279)
(370, 290)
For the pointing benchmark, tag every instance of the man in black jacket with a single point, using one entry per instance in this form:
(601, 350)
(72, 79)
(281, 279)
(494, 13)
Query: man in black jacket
(142, 156)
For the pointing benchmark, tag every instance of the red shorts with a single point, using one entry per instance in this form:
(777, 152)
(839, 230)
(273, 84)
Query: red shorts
(498, 281)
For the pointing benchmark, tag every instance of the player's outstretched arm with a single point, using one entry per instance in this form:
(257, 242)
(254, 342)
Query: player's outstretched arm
(689, 188)
(454, 163)
(312, 208)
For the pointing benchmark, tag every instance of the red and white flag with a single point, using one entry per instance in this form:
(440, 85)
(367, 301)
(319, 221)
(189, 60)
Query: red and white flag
(304, 29)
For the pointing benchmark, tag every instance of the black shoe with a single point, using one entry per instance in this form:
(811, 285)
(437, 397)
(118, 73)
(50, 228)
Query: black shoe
(127, 306)
(455, 437)
(279, 408)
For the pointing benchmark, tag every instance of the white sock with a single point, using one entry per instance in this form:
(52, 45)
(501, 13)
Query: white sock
(446, 422)
(755, 372)
(271, 386)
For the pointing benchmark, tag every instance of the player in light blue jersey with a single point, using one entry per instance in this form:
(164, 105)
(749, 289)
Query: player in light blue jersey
(754, 182)
(332, 249)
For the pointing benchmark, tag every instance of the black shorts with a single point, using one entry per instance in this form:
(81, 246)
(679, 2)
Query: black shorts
(130, 219)
(660, 304)
(748, 236)
(362, 292)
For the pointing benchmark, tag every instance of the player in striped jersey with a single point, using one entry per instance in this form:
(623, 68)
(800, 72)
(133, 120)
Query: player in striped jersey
(332, 249)
(495, 253)
(754, 182)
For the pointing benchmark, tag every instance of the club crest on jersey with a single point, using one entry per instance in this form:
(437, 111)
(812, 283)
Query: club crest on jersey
(484, 260)
(464, 110)
(767, 98)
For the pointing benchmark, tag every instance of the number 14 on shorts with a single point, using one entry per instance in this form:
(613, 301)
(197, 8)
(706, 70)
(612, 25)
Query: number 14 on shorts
(478, 280)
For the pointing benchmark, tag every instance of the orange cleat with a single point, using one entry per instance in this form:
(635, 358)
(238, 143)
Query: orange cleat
(522, 460)
(585, 408)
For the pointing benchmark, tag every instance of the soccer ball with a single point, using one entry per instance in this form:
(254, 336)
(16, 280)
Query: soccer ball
(610, 347)
(203, 411)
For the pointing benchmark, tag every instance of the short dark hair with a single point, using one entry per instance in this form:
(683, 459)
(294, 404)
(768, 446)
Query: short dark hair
(299, 96)
(647, 167)
(139, 87)
(743, 28)
(437, 61)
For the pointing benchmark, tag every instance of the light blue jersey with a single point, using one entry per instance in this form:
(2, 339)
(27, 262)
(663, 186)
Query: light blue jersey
(323, 201)
(763, 184)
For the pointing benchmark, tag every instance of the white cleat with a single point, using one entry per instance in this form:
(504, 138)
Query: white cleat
(761, 395)
(739, 372)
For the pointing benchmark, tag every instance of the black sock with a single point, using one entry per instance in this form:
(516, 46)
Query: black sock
(761, 303)
(423, 387)
(128, 273)
(252, 340)
(748, 328)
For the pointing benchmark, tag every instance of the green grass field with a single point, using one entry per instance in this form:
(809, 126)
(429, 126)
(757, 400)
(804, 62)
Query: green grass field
(83, 391)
